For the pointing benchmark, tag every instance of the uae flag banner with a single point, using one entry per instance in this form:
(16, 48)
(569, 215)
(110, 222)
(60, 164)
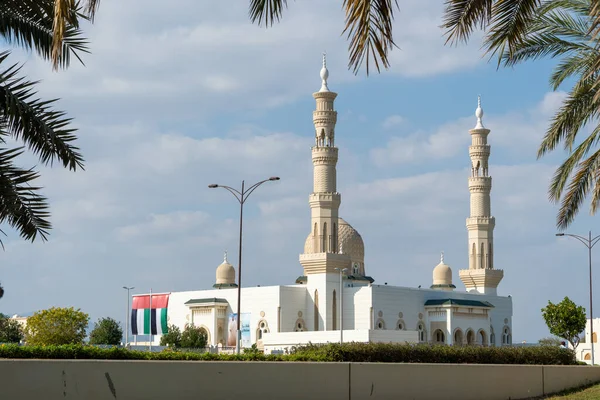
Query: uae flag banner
(149, 317)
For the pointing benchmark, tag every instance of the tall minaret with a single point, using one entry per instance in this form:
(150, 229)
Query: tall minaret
(481, 275)
(323, 258)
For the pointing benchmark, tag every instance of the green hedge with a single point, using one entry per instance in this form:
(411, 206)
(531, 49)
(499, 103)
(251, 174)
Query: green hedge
(350, 352)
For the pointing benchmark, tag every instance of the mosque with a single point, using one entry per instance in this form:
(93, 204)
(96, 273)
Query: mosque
(335, 299)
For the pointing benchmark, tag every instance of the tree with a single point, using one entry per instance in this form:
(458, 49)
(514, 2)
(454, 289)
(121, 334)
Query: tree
(57, 326)
(368, 27)
(1, 291)
(193, 337)
(565, 320)
(106, 331)
(10, 330)
(172, 338)
(550, 341)
(569, 30)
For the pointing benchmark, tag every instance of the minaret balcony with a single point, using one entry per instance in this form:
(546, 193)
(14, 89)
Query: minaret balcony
(480, 183)
(327, 200)
(474, 223)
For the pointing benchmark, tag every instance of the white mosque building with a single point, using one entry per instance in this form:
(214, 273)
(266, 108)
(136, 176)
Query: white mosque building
(335, 299)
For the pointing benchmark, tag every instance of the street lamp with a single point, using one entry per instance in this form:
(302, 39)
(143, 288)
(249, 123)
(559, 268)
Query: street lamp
(127, 318)
(241, 196)
(342, 270)
(588, 242)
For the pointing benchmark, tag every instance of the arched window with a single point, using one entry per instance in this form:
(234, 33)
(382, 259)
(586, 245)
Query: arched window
(492, 336)
(380, 324)
(482, 338)
(316, 310)
(422, 333)
(594, 338)
(439, 336)
(334, 244)
(324, 244)
(490, 257)
(506, 339)
(483, 259)
(474, 257)
(299, 326)
(262, 328)
(587, 357)
(470, 337)
(334, 311)
(458, 337)
(400, 325)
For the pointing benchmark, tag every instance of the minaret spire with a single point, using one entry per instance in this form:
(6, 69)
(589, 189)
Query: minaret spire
(322, 245)
(481, 275)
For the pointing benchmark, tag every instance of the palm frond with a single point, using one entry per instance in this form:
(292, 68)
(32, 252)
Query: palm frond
(580, 64)
(21, 205)
(510, 23)
(369, 29)
(90, 9)
(45, 131)
(577, 109)
(462, 17)
(28, 24)
(265, 11)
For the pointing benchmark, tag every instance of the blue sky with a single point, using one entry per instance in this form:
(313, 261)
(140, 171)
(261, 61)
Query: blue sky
(171, 100)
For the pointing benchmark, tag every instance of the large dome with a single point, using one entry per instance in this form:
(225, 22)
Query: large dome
(349, 239)
(225, 273)
(351, 242)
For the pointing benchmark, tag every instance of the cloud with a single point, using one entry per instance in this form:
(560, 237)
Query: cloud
(392, 121)
(516, 131)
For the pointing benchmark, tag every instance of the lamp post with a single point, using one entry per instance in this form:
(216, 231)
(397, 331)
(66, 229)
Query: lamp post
(127, 318)
(588, 242)
(241, 196)
(342, 270)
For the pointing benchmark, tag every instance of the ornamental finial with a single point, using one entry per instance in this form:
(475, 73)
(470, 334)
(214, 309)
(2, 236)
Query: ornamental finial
(479, 114)
(324, 75)
(442, 258)
(225, 257)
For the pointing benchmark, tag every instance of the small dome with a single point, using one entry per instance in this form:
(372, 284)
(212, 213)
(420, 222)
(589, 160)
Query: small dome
(442, 275)
(225, 272)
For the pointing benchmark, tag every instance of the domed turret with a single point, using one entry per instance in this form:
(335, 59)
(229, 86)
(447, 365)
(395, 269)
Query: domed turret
(442, 276)
(225, 275)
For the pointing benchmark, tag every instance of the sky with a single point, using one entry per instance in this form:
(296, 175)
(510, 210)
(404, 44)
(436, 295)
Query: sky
(173, 99)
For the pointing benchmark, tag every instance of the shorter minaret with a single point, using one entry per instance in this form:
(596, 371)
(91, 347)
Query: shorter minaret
(225, 275)
(481, 276)
(442, 276)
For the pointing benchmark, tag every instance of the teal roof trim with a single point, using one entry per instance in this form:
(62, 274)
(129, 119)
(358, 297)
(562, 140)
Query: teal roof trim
(208, 300)
(458, 302)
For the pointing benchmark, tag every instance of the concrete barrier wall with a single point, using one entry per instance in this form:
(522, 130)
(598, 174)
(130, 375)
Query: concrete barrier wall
(129, 380)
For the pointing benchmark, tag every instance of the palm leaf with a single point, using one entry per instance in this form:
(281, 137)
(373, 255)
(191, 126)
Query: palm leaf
(462, 17)
(265, 11)
(369, 29)
(46, 132)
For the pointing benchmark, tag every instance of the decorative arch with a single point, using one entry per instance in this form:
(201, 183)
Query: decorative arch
(380, 324)
(316, 238)
(473, 257)
(422, 332)
(324, 239)
(334, 311)
(490, 256)
(439, 336)
(299, 326)
(587, 357)
(400, 325)
(492, 336)
(506, 336)
(262, 328)
(220, 336)
(316, 322)
(204, 329)
(334, 235)
(482, 338)
(594, 338)
(482, 258)
(458, 337)
(470, 337)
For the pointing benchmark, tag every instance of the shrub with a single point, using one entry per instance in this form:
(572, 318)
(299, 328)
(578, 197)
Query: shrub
(172, 338)
(57, 326)
(348, 352)
(193, 337)
(106, 331)
(10, 330)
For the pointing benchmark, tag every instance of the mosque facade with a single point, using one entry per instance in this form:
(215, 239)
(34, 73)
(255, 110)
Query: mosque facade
(335, 299)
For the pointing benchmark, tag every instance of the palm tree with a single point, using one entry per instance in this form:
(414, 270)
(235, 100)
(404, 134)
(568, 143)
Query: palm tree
(27, 119)
(522, 30)
(368, 27)
(562, 29)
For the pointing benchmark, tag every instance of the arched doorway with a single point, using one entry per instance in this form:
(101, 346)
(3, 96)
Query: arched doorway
(439, 337)
(482, 339)
(458, 337)
(470, 337)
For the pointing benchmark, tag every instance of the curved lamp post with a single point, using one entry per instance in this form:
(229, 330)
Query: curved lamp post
(241, 196)
(588, 242)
